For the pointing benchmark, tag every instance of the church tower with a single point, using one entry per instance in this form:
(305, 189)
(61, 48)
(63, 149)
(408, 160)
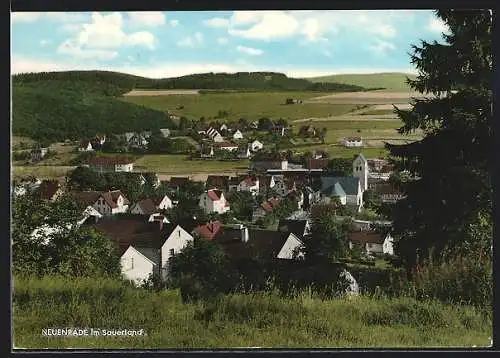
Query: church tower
(360, 170)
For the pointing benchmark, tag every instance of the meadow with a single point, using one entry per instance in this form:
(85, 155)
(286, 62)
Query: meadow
(264, 320)
(389, 81)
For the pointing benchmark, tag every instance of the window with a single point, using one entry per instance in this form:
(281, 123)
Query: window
(172, 252)
(179, 233)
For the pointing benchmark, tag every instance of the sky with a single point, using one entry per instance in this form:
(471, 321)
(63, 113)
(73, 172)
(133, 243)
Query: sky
(168, 44)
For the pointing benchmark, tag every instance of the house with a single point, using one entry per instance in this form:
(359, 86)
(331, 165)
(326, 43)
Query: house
(150, 178)
(128, 136)
(243, 153)
(248, 183)
(299, 228)
(267, 161)
(138, 140)
(153, 244)
(165, 132)
(213, 201)
(372, 242)
(237, 135)
(158, 217)
(178, 182)
(207, 152)
(242, 243)
(214, 135)
(26, 185)
(389, 193)
(283, 185)
(111, 164)
(317, 163)
(85, 146)
(278, 130)
(254, 125)
(38, 153)
(256, 146)
(227, 146)
(224, 128)
(208, 230)
(106, 203)
(151, 205)
(311, 197)
(346, 189)
(352, 142)
(50, 190)
(307, 130)
(100, 139)
(90, 216)
(220, 182)
(265, 208)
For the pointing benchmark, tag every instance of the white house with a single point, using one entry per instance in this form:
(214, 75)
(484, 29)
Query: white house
(151, 205)
(372, 242)
(106, 203)
(165, 132)
(346, 189)
(89, 213)
(213, 201)
(237, 135)
(223, 127)
(290, 247)
(351, 142)
(111, 164)
(256, 146)
(282, 185)
(214, 135)
(85, 146)
(138, 264)
(38, 153)
(249, 183)
(158, 217)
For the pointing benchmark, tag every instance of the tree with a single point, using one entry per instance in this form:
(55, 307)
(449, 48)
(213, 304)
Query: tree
(371, 200)
(322, 134)
(451, 192)
(201, 270)
(265, 124)
(115, 144)
(242, 203)
(83, 178)
(340, 167)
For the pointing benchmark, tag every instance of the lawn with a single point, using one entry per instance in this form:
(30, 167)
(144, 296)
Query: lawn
(180, 164)
(251, 106)
(235, 321)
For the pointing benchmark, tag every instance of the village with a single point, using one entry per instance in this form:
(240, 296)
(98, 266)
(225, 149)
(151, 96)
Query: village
(278, 193)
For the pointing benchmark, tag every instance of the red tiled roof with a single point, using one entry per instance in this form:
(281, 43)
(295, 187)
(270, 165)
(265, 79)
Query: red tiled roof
(48, 188)
(90, 197)
(215, 195)
(209, 230)
(110, 160)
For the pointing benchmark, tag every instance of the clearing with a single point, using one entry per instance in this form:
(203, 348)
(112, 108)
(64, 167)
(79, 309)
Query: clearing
(389, 81)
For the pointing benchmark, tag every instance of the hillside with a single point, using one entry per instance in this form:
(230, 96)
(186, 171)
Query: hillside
(238, 320)
(50, 112)
(389, 81)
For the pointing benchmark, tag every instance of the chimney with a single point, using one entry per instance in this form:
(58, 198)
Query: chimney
(244, 233)
(160, 223)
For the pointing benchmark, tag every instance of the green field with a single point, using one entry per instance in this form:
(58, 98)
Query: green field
(394, 82)
(180, 164)
(251, 106)
(41, 171)
(235, 321)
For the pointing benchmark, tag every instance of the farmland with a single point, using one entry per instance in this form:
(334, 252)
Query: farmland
(389, 81)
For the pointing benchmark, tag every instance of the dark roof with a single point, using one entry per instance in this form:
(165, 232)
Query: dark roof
(349, 184)
(297, 227)
(135, 230)
(179, 181)
(217, 182)
(147, 206)
(317, 163)
(151, 253)
(110, 160)
(48, 188)
(363, 237)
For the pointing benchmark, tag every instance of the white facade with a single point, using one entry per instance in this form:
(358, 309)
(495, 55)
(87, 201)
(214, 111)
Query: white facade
(360, 170)
(217, 138)
(124, 167)
(152, 218)
(388, 245)
(88, 212)
(174, 244)
(87, 148)
(256, 146)
(105, 209)
(353, 143)
(213, 206)
(135, 266)
(165, 203)
(237, 134)
(291, 245)
(252, 188)
(230, 148)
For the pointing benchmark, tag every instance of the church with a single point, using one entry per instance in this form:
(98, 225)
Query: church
(349, 190)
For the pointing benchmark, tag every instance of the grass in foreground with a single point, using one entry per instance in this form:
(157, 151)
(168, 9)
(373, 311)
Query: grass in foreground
(180, 164)
(240, 320)
(251, 106)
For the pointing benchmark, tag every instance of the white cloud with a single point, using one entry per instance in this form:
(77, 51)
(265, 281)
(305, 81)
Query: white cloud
(217, 22)
(382, 47)
(146, 18)
(437, 25)
(222, 41)
(267, 25)
(174, 23)
(384, 30)
(66, 16)
(191, 41)
(103, 36)
(45, 42)
(17, 17)
(160, 70)
(249, 50)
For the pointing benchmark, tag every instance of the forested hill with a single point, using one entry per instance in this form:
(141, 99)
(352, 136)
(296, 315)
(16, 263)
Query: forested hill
(114, 83)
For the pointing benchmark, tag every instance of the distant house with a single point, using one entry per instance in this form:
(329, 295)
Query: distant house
(38, 154)
(372, 242)
(220, 182)
(346, 189)
(269, 161)
(279, 130)
(208, 230)
(90, 216)
(299, 228)
(165, 132)
(227, 146)
(128, 136)
(243, 153)
(106, 203)
(213, 201)
(159, 218)
(151, 205)
(85, 146)
(223, 128)
(353, 142)
(237, 135)
(145, 247)
(50, 190)
(100, 139)
(207, 152)
(307, 130)
(265, 208)
(138, 140)
(320, 163)
(214, 135)
(248, 183)
(256, 146)
(254, 125)
(111, 164)
(283, 185)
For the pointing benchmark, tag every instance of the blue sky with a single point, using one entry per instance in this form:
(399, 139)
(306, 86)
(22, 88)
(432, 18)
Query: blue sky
(166, 44)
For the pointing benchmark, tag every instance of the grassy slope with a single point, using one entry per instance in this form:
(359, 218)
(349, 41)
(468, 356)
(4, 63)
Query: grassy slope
(179, 164)
(236, 321)
(393, 82)
(248, 105)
